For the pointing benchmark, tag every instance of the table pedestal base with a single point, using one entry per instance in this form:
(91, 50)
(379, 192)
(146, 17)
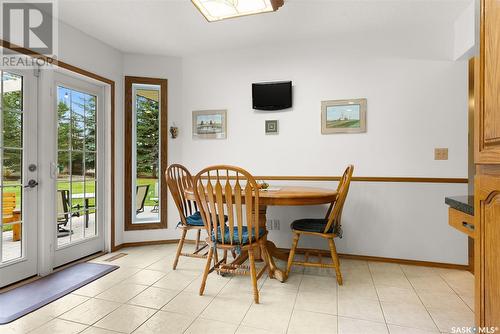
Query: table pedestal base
(274, 252)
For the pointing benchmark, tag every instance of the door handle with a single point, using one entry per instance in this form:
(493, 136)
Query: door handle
(468, 226)
(31, 184)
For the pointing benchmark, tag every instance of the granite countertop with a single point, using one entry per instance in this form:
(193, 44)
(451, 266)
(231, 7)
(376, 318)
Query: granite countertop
(464, 204)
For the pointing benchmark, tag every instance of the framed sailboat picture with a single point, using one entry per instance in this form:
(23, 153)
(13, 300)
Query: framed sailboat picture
(210, 124)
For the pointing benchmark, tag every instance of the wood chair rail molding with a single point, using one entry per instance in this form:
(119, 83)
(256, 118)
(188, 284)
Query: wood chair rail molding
(111, 83)
(365, 179)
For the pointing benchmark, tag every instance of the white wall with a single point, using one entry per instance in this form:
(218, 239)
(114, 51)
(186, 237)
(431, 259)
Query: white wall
(393, 220)
(413, 107)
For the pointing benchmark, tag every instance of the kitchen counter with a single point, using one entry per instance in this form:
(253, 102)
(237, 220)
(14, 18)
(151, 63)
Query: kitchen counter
(463, 204)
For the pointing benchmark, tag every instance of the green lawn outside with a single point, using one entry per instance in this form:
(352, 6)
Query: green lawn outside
(7, 228)
(354, 123)
(151, 191)
(79, 188)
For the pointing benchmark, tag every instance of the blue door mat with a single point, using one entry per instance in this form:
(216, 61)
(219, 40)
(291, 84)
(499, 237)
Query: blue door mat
(30, 297)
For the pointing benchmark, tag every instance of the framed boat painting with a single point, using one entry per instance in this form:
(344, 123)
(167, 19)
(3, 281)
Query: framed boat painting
(210, 124)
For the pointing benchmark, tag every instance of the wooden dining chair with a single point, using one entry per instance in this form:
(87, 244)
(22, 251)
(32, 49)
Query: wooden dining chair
(328, 228)
(232, 191)
(178, 180)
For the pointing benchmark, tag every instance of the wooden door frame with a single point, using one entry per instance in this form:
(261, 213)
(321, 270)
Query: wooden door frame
(127, 181)
(487, 160)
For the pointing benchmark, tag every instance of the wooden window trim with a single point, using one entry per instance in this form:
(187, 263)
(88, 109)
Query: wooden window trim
(127, 201)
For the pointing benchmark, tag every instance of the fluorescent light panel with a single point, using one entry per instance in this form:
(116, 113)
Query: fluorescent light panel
(216, 10)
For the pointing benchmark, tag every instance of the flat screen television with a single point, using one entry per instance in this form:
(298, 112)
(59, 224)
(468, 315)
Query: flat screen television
(272, 95)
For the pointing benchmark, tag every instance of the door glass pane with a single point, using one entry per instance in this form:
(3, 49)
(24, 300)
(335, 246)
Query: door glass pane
(77, 161)
(91, 228)
(12, 91)
(90, 159)
(12, 129)
(12, 165)
(63, 212)
(63, 165)
(78, 135)
(63, 131)
(77, 226)
(146, 141)
(11, 155)
(12, 219)
(63, 103)
(77, 105)
(90, 137)
(90, 213)
(90, 109)
(77, 166)
(12, 244)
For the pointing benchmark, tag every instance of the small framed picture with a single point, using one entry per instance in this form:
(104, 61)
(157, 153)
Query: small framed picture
(210, 124)
(272, 127)
(343, 116)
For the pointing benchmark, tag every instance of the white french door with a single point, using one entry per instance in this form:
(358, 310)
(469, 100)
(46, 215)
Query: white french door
(70, 222)
(79, 174)
(18, 177)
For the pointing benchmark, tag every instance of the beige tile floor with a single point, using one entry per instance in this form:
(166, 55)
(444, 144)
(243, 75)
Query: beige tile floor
(146, 296)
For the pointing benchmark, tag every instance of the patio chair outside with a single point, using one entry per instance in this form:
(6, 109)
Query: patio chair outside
(63, 211)
(156, 200)
(140, 197)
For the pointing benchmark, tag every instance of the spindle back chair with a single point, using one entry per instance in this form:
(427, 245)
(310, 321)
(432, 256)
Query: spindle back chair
(233, 192)
(328, 228)
(178, 180)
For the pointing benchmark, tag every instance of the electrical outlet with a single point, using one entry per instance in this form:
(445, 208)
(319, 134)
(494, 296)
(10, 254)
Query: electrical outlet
(276, 224)
(269, 224)
(273, 224)
(440, 154)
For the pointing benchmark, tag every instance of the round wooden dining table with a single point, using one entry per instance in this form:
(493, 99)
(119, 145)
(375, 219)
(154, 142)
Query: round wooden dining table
(283, 196)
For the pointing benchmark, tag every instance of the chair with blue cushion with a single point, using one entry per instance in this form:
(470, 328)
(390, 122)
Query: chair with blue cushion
(328, 228)
(231, 191)
(178, 180)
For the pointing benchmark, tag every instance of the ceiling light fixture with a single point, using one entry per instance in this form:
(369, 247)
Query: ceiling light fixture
(216, 10)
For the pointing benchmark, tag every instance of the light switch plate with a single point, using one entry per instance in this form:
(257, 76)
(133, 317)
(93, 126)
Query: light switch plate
(440, 154)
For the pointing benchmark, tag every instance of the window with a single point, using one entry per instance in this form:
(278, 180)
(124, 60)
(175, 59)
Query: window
(76, 163)
(145, 153)
(11, 157)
